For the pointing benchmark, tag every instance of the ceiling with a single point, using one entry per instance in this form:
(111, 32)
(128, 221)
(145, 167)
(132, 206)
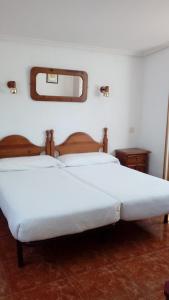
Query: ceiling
(137, 26)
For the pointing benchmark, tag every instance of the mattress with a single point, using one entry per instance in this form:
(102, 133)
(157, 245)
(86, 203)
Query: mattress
(141, 195)
(48, 202)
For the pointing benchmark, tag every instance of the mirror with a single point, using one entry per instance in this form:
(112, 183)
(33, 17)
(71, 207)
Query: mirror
(58, 85)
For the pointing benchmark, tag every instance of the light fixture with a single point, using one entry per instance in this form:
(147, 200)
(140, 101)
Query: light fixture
(105, 90)
(12, 86)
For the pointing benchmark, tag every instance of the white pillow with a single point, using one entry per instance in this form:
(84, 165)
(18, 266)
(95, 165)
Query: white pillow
(91, 158)
(28, 162)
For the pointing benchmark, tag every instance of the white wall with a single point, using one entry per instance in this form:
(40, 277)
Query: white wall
(154, 108)
(19, 114)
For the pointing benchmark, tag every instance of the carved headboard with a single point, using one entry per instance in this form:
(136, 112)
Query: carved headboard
(17, 145)
(79, 142)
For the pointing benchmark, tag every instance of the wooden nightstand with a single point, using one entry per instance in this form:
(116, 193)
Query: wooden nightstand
(134, 158)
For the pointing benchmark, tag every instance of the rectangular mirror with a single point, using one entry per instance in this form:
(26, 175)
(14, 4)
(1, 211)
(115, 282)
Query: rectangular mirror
(58, 85)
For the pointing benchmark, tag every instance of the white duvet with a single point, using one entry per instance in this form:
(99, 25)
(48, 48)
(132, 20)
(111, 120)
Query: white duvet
(47, 202)
(141, 195)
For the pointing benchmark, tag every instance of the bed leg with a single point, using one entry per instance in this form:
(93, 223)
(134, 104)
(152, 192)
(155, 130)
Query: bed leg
(166, 290)
(20, 254)
(166, 219)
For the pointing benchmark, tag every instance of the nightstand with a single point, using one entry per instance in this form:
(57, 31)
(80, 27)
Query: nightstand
(134, 158)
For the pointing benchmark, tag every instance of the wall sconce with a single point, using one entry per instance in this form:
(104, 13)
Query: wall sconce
(105, 91)
(12, 86)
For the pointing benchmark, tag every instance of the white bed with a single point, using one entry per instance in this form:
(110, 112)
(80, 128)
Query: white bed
(44, 203)
(141, 195)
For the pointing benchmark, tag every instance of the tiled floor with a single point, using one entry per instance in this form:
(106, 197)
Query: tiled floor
(127, 261)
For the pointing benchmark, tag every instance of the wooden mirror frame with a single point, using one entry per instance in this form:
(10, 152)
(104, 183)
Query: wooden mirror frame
(37, 97)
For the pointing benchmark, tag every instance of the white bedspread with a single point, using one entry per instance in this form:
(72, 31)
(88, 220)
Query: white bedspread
(46, 203)
(141, 195)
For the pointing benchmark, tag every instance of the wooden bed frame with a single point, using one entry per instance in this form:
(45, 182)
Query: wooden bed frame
(15, 146)
(166, 290)
(81, 142)
(18, 145)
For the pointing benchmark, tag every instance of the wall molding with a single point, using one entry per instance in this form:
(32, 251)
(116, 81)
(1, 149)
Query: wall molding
(76, 46)
(155, 49)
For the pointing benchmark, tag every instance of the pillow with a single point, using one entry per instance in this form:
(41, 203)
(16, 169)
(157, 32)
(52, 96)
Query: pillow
(91, 158)
(28, 162)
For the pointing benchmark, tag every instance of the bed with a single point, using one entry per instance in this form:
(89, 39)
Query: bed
(141, 195)
(35, 202)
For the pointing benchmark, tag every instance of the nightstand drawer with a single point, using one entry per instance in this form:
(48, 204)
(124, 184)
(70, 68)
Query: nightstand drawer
(136, 159)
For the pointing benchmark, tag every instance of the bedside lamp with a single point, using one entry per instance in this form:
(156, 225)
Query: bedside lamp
(105, 90)
(12, 86)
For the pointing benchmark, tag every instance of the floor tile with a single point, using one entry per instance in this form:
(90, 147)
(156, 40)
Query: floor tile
(128, 261)
(4, 286)
(59, 290)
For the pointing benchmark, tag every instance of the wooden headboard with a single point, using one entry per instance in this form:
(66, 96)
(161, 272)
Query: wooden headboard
(17, 145)
(79, 142)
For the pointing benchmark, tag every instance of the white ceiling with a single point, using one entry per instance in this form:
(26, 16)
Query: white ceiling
(132, 25)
